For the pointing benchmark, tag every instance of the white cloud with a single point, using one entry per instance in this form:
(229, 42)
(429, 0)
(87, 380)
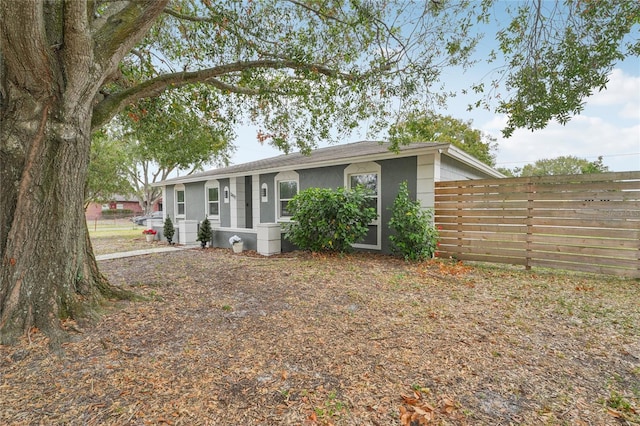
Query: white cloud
(622, 89)
(609, 126)
(584, 137)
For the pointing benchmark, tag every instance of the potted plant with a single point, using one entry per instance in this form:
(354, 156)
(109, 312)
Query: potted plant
(205, 233)
(168, 230)
(150, 234)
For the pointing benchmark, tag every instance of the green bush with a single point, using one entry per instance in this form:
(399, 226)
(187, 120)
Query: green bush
(325, 219)
(168, 230)
(415, 237)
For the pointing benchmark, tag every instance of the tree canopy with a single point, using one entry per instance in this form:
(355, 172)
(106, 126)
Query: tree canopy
(107, 174)
(563, 165)
(163, 135)
(557, 54)
(431, 127)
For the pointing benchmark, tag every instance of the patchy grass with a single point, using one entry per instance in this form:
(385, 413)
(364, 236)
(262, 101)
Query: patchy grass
(115, 237)
(296, 339)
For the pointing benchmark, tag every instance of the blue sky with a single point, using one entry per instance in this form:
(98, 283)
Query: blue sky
(609, 126)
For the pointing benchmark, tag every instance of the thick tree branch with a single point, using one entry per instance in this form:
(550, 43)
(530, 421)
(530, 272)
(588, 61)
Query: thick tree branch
(122, 30)
(112, 104)
(24, 45)
(76, 50)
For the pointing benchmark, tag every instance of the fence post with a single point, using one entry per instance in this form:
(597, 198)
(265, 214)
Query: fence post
(530, 191)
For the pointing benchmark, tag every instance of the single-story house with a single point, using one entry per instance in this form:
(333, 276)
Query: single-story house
(119, 206)
(249, 200)
(126, 205)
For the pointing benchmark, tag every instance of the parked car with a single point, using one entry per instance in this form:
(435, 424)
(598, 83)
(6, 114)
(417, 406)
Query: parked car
(142, 220)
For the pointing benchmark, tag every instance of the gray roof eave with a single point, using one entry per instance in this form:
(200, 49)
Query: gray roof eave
(329, 156)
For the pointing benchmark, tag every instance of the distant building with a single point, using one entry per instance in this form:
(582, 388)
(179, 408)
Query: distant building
(128, 206)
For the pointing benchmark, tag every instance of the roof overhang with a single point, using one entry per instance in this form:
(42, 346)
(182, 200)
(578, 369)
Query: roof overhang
(406, 151)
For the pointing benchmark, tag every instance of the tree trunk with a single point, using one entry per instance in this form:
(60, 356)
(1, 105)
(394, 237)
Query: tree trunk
(48, 268)
(54, 58)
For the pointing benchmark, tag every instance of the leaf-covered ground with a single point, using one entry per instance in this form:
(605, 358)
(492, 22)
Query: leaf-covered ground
(300, 339)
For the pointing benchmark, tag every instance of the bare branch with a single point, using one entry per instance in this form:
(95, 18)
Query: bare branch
(184, 17)
(316, 12)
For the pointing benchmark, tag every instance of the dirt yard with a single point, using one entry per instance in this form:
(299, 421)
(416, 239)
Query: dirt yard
(300, 339)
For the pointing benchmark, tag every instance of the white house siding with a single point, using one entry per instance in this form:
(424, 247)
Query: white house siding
(451, 169)
(428, 172)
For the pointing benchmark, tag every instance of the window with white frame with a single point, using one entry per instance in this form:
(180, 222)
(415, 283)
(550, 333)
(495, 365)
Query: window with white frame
(212, 193)
(286, 189)
(180, 201)
(367, 176)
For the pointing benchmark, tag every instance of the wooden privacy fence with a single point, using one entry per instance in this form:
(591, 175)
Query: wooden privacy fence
(587, 222)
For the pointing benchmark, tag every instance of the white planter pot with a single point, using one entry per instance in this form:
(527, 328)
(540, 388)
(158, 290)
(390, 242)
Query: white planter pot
(150, 237)
(237, 247)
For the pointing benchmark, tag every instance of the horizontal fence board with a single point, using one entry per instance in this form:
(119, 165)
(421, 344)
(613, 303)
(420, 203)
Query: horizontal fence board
(483, 212)
(594, 177)
(584, 221)
(488, 236)
(484, 244)
(555, 188)
(615, 205)
(481, 258)
(596, 269)
(489, 251)
(579, 214)
(586, 232)
(585, 242)
(480, 220)
(498, 228)
(622, 254)
(508, 196)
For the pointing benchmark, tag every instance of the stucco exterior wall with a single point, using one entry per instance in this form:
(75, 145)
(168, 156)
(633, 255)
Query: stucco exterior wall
(394, 172)
(268, 208)
(225, 207)
(194, 198)
(323, 177)
(169, 202)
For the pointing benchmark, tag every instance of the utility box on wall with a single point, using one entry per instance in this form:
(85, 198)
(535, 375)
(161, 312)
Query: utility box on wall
(269, 239)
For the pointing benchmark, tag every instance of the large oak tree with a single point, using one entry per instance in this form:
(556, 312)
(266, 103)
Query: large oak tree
(302, 70)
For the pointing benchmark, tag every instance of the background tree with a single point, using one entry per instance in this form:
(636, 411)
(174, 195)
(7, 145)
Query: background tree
(161, 136)
(431, 127)
(563, 165)
(302, 71)
(107, 175)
